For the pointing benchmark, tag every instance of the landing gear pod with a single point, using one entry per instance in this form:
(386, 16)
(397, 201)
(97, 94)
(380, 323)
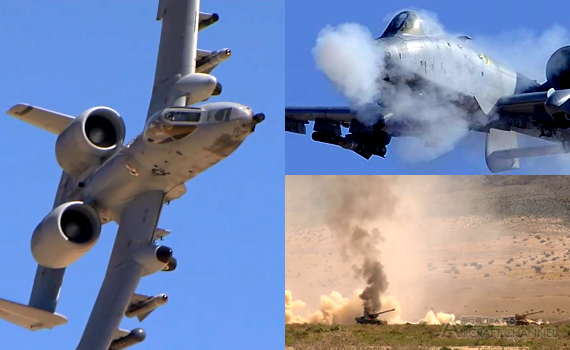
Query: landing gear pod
(153, 258)
(137, 335)
(196, 87)
(171, 266)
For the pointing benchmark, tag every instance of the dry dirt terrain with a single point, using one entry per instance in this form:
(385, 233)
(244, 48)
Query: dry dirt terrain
(462, 245)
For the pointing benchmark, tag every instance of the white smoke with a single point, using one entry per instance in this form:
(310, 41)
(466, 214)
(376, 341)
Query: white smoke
(350, 58)
(352, 61)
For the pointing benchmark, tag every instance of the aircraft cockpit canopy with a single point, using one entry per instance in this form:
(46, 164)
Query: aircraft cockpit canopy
(409, 23)
(173, 124)
(183, 115)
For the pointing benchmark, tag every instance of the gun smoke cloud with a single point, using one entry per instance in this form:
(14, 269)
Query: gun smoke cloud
(348, 57)
(352, 60)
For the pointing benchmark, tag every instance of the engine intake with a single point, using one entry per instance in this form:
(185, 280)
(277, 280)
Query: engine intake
(65, 235)
(95, 135)
(558, 69)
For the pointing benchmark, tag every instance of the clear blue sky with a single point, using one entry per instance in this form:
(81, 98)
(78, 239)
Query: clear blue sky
(227, 232)
(307, 86)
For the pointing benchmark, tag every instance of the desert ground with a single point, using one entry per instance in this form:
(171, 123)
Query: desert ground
(456, 245)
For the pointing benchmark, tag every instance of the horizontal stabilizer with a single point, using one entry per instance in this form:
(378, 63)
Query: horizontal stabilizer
(502, 151)
(498, 140)
(48, 120)
(529, 152)
(29, 317)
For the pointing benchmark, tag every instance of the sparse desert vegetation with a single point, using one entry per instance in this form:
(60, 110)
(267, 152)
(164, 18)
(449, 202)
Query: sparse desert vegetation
(411, 336)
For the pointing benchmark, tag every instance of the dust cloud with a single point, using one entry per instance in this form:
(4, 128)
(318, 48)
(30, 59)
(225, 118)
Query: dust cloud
(336, 309)
(384, 235)
(290, 306)
(439, 318)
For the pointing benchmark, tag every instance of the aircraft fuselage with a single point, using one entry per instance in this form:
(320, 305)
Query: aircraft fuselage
(451, 66)
(144, 165)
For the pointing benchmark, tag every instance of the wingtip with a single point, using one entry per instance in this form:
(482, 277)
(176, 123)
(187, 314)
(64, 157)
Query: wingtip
(19, 109)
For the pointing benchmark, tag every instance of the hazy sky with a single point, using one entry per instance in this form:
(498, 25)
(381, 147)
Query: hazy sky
(227, 231)
(510, 29)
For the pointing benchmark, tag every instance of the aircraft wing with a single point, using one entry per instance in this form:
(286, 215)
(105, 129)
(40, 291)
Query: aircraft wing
(522, 103)
(51, 121)
(178, 51)
(555, 103)
(526, 111)
(297, 117)
(132, 256)
(29, 317)
(40, 311)
(365, 140)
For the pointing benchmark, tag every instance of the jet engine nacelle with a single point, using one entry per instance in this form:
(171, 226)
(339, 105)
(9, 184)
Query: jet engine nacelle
(95, 135)
(557, 104)
(65, 235)
(558, 69)
(197, 87)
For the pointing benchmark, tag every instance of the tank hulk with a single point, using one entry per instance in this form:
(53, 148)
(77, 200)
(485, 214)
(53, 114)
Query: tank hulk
(372, 318)
(521, 320)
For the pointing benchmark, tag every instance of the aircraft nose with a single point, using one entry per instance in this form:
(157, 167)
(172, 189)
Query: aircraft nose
(244, 114)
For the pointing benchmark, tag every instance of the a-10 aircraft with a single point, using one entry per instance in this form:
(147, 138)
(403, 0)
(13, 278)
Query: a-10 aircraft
(104, 180)
(430, 62)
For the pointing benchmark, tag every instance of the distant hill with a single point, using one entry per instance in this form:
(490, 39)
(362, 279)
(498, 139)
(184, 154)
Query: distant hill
(500, 196)
(494, 195)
